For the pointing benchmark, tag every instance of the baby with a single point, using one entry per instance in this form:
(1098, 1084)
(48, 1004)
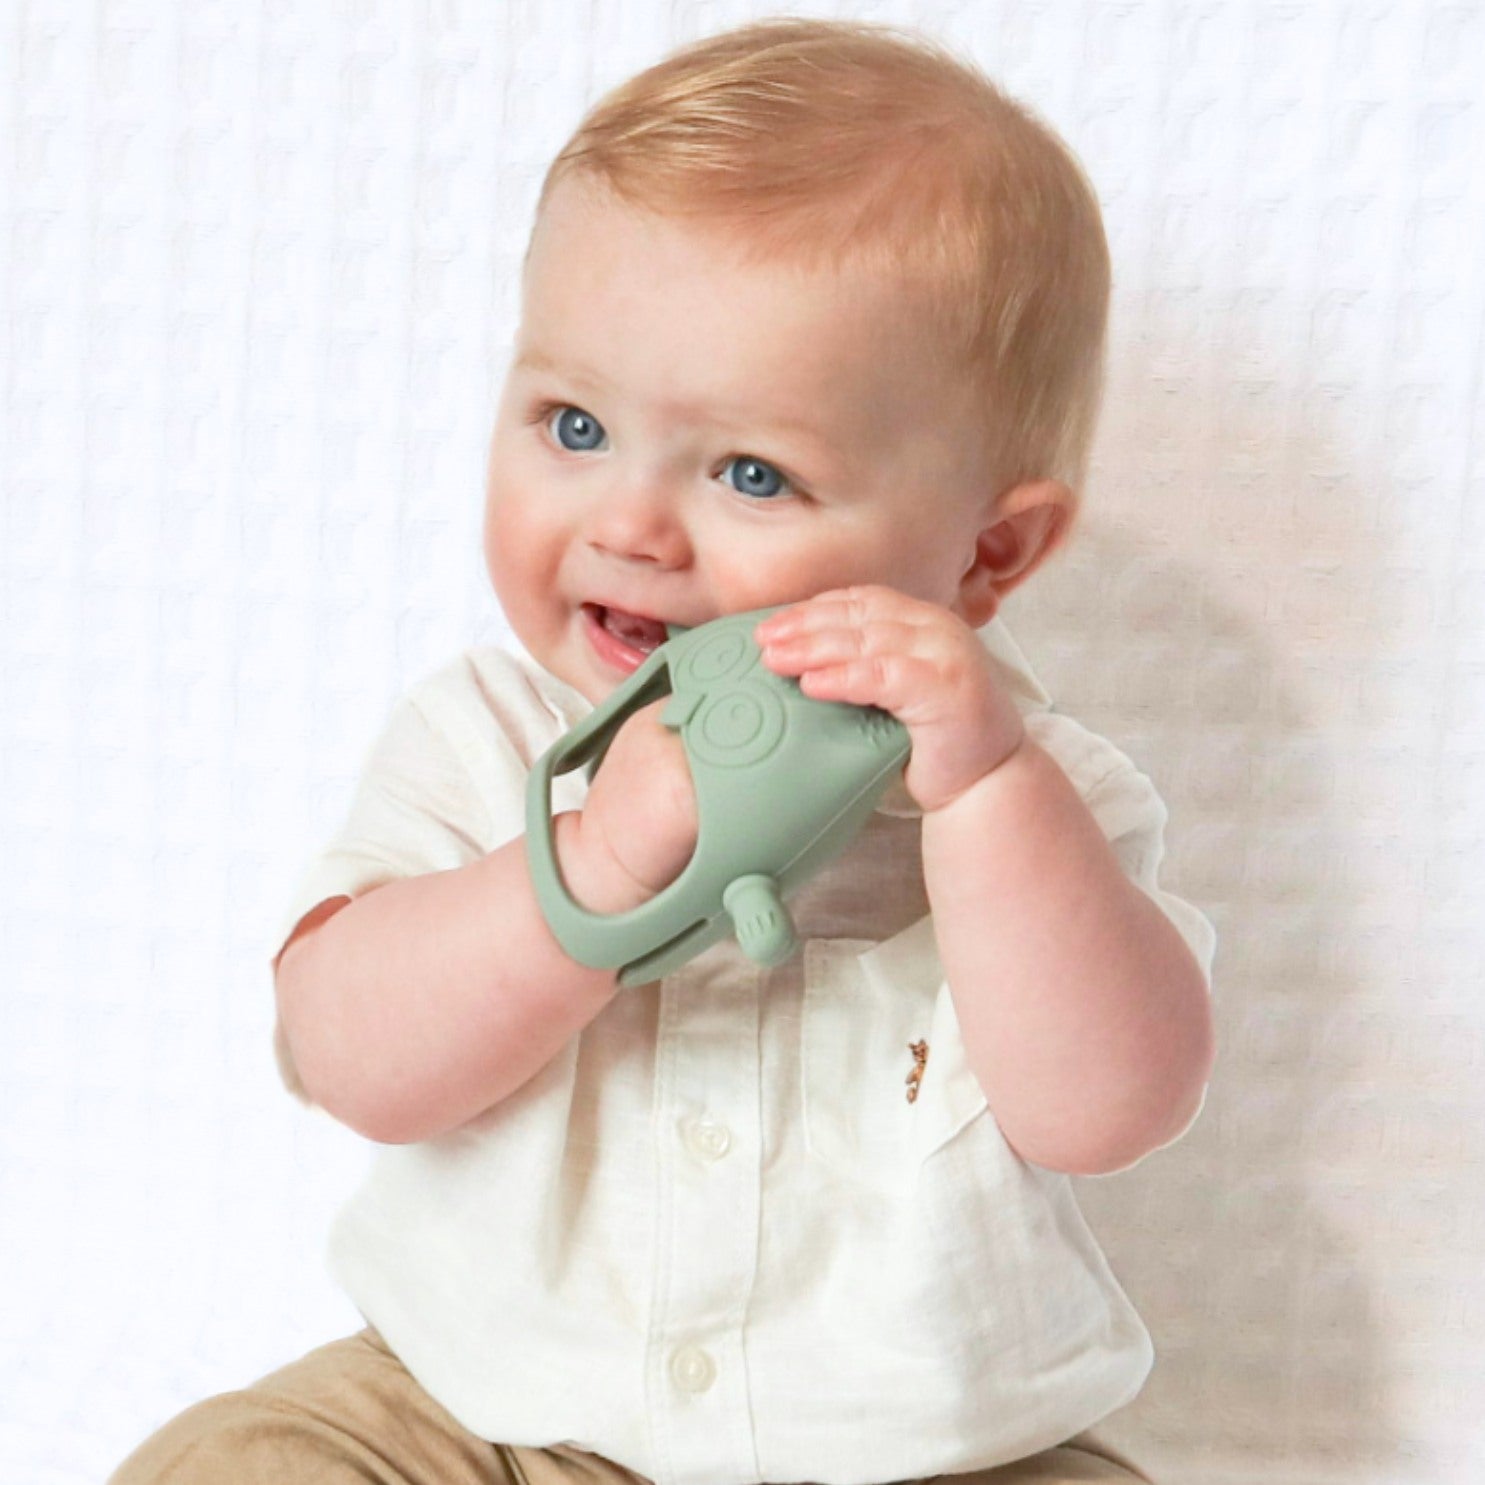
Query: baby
(812, 316)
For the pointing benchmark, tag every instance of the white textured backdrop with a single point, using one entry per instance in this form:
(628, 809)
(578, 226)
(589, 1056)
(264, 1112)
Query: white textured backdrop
(257, 279)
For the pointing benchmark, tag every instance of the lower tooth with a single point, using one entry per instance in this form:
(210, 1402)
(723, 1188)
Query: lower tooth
(639, 639)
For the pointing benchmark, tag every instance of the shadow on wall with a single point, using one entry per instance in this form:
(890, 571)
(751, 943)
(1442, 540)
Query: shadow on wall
(1269, 1345)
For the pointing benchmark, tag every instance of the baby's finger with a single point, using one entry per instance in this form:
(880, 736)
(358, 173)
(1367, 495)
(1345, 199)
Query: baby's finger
(796, 651)
(851, 606)
(894, 682)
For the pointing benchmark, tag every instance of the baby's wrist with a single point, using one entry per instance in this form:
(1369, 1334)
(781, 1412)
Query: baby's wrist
(595, 878)
(1005, 762)
(1022, 768)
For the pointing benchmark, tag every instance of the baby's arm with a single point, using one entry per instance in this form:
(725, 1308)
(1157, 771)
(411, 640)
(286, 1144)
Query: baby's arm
(416, 1006)
(1084, 1014)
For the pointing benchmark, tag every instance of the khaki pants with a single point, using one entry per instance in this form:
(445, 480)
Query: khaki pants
(350, 1411)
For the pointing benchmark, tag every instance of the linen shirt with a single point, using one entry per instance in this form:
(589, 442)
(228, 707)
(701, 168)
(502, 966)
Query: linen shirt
(713, 1240)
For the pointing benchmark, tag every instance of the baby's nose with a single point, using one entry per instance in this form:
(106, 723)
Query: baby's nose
(641, 525)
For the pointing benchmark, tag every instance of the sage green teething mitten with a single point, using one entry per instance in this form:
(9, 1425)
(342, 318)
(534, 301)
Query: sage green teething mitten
(783, 782)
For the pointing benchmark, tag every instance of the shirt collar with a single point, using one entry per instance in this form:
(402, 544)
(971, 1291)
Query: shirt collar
(1015, 669)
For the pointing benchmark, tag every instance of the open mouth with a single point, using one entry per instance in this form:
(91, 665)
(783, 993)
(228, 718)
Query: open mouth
(626, 638)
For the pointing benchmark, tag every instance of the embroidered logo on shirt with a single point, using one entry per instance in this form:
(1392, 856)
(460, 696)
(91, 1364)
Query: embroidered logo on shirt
(920, 1061)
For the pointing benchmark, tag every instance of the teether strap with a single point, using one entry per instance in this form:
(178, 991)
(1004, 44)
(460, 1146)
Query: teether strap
(598, 940)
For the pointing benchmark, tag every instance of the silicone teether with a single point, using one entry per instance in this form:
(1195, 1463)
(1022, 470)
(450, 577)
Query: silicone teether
(783, 782)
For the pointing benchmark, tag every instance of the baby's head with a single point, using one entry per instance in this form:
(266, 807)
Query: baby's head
(807, 304)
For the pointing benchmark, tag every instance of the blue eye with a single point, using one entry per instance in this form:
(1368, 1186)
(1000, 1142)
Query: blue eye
(586, 431)
(757, 478)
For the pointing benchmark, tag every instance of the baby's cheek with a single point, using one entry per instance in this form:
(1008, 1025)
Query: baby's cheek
(497, 565)
(512, 544)
(776, 576)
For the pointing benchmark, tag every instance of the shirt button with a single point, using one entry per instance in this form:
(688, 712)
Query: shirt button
(692, 1369)
(706, 1139)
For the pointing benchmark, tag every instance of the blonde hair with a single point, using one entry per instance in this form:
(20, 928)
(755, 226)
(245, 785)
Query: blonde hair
(844, 144)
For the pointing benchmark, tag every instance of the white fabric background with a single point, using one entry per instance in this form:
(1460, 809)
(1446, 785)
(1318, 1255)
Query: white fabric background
(257, 276)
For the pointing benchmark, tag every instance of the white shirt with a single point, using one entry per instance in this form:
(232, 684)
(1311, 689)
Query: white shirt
(713, 1240)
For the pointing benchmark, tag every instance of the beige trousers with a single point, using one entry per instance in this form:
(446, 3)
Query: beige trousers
(350, 1411)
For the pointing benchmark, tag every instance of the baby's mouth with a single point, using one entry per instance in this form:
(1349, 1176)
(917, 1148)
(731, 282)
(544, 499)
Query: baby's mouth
(634, 630)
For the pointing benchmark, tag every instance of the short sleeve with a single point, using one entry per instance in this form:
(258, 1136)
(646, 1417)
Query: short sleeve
(415, 810)
(1133, 817)
(440, 788)
(1131, 814)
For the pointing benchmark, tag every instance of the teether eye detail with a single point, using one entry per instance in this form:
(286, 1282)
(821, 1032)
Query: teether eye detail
(738, 728)
(715, 657)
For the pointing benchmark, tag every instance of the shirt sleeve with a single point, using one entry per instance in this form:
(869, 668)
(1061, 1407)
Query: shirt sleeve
(1132, 816)
(416, 809)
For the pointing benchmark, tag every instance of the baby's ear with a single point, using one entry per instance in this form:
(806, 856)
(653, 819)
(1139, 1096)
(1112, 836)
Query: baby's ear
(1027, 524)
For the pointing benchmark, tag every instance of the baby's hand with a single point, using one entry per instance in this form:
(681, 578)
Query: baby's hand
(878, 647)
(639, 823)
